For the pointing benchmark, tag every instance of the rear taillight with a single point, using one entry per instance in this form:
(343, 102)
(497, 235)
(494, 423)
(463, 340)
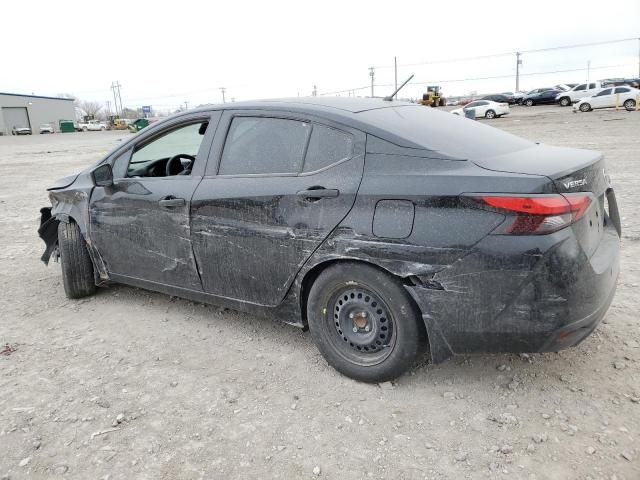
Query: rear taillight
(536, 214)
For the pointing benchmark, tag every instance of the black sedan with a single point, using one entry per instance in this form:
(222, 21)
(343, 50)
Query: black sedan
(500, 98)
(381, 226)
(540, 97)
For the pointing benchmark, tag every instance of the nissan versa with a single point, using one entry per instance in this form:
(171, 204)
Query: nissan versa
(384, 227)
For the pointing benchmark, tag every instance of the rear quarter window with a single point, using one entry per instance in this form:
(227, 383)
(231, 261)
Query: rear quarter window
(326, 147)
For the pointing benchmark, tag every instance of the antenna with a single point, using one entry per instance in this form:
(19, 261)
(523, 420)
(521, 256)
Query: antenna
(390, 97)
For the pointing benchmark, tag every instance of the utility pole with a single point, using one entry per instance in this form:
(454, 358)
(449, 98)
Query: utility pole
(314, 92)
(638, 57)
(372, 74)
(108, 108)
(186, 105)
(222, 89)
(588, 72)
(518, 63)
(117, 97)
(395, 72)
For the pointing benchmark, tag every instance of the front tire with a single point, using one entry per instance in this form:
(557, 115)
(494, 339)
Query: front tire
(364, 323)
(565, 101)
(529, 103)
(585, 107)
(489, 114)
(77, 268)
(629, 105)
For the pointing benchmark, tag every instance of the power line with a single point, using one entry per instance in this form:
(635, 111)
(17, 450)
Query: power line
(504, 54)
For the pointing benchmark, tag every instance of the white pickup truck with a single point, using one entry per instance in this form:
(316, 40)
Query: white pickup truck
(91, 125)
(577, 93)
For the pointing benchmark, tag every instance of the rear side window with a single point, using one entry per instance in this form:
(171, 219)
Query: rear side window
(622, 90)
(257, 145)
(326, 147)
(592, 85)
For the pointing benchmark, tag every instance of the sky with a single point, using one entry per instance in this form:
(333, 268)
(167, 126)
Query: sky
(167, 53)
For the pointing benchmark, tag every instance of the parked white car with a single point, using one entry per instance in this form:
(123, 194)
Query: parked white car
(610, 97)
(578, 92)
(92, 125)
(484, 108)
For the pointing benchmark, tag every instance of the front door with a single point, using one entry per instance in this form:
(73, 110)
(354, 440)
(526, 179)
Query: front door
(141, 224)
(281, 185)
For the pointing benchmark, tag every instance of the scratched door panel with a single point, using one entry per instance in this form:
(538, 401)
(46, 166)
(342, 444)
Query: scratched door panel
(251, 235)
(138, 237)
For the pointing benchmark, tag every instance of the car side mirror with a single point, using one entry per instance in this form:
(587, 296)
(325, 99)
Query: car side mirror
(102, 176)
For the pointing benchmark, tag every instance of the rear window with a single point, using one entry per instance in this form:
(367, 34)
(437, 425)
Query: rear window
(443, 132)
(258, 145)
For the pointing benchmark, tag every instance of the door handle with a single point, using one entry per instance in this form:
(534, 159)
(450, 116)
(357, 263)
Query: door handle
(170, 201)
(318, 193)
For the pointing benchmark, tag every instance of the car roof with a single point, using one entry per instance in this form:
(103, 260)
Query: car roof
(404, 124)
(313, 104)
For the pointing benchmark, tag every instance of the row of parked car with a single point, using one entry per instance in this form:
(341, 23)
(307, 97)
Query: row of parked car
(584, 97)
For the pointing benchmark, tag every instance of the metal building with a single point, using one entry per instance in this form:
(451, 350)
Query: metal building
(32, 111)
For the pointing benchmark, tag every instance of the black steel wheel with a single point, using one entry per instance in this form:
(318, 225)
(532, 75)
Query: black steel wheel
(364, 323)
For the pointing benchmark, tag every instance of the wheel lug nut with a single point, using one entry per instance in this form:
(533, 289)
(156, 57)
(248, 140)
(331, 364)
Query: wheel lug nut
(355, 329)
(366, 329)
(351, 315)
(364, 314)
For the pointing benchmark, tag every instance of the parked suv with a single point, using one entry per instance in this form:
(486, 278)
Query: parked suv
(578, 92)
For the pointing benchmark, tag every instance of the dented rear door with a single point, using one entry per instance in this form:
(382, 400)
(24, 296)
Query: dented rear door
(275, 188)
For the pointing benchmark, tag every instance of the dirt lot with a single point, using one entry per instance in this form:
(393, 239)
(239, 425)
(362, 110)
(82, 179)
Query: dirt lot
(134, 384)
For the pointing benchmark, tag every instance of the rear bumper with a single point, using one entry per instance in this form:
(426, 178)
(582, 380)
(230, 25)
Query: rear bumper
(520, 294)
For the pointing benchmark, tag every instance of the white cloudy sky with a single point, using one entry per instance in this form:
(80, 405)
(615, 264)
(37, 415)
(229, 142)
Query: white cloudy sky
(166, 53)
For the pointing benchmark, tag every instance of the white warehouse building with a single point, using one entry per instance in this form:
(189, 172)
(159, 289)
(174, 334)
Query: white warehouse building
(32, 111)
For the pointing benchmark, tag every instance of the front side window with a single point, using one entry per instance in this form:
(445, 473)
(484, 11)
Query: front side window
(326, 147)
(473, 104)
(152, 159)
(606, 91)
(581, 87)
(260, 145)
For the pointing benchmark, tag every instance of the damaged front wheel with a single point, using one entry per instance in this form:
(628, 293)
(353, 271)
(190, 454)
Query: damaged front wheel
(77, 268)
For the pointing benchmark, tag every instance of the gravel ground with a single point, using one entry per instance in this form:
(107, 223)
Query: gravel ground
(134, 384)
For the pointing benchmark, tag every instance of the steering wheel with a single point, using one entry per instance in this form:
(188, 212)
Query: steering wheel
(175, 166)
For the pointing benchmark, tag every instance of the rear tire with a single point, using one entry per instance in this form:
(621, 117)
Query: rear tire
(489, 114)
(364, 323)
(77, 268)
(585, 107)
(565, 101)
(629, 104)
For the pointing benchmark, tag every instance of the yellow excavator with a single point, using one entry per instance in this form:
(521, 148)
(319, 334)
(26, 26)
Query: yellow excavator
(433, 97)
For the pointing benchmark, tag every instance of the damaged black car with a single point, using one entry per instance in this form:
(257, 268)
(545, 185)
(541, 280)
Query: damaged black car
(387, 229)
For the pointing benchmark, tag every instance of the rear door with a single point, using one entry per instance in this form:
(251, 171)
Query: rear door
(276, 185)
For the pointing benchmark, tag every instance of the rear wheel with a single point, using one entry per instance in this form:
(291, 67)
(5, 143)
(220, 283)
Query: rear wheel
(629, 104)
(364, 323)
(77, 268)
(565, 101)
(585, 107)
(490, 114)
(529, 102)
